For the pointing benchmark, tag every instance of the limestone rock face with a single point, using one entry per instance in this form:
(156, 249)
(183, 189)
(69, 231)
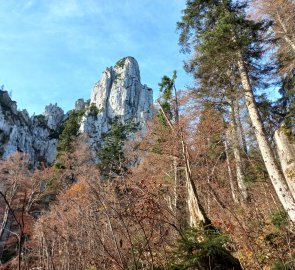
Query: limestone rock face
(80, 104)
(53, 116)
(34, 136)
(120, 95)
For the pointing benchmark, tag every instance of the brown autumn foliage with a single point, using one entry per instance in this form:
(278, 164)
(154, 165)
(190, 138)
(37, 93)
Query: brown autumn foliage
(20, 190)
(281, 13)
(249, 225)
(132, 222)
(117, 224)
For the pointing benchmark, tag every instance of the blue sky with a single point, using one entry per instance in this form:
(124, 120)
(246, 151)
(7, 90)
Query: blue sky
(55, 50)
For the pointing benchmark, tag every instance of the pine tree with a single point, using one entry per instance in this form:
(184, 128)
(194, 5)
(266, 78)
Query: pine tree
(169, 102)
(228, 45)
(285, 106)
(111, 154)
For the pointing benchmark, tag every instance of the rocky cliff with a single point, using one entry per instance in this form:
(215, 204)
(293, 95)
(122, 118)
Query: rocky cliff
(36, 135)
(118, 95)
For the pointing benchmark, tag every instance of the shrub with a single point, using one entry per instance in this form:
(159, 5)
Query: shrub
(203, 249)
(279, 219)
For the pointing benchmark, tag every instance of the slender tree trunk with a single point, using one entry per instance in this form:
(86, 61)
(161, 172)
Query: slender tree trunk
(290, 42)
(273, 170)
(236, 149)
(7, 211)
(196, 211)
(240, 126)
(230, 175)
(176, 188)
(179, 196)
(286, 152)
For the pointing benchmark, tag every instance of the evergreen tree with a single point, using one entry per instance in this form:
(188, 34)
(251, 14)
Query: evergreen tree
(227, 44)
(286, 104)
(69, 131)
(111, 153)
(203, 250)
(168, 102)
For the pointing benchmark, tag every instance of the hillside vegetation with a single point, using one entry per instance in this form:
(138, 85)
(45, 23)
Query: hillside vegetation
(210, 183)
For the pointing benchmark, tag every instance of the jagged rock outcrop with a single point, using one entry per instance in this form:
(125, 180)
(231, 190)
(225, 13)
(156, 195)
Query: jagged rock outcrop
(54, 115)
(36, 135)
(80, 104)
(119, 95)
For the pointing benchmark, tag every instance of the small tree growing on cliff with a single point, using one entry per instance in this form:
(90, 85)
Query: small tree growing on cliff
(70, 131)
(111, 153)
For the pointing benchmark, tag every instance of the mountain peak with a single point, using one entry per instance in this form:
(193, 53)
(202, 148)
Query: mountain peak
(127, 66)
(119, 94)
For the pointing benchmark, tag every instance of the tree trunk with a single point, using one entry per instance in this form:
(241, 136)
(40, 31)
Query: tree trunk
(240, 126)
(230, 175)
(196, 211)
(179, 196)
(286, 152)
(238, 160)
(9, 198)
(275, 175)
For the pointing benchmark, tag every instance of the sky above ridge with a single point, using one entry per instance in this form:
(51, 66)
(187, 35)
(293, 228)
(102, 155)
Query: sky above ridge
(55, 50)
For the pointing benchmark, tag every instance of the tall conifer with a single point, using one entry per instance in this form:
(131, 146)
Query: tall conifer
(226, 44)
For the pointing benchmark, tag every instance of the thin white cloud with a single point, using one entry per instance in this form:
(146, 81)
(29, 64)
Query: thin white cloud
(65, 8)
(65, 44)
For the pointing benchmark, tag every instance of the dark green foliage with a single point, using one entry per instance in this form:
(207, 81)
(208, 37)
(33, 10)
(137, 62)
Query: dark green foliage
(266, 110)
(7, 255)
(41, 121)
(279, 219)
(93, 110)
(167, 109)
(54, 134)
(286, 104)
(217, 30)
(167, 85)
(168, 103)
(111, 154)
(202, 250)
(280, 265)
(70, 131)
(283, 238)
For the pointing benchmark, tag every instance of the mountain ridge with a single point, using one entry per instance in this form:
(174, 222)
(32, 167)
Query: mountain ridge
(118, 94)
